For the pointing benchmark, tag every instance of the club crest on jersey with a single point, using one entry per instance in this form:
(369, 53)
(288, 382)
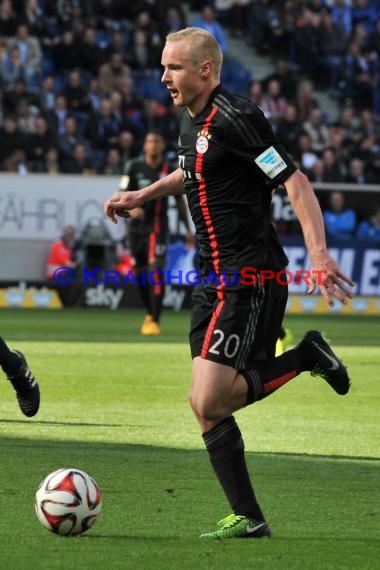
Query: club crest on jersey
(201, 144)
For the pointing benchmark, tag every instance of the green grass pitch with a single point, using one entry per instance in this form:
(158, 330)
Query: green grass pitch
(115, 405)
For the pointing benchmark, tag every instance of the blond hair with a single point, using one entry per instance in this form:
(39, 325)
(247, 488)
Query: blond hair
(202, 45)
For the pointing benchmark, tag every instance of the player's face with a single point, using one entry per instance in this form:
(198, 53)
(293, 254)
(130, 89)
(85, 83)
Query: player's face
(182, 76)
(154, 145)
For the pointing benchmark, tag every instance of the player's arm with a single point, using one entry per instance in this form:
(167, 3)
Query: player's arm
(121, 202)
(324, 271)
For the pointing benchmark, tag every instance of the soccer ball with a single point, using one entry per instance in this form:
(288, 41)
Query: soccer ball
(68, 502)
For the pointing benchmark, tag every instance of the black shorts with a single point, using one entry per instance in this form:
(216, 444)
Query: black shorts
(237, 327)
(146, 247)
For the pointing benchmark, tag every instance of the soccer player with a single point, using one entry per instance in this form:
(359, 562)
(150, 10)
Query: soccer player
(229, 159)
(14, 364)
(149, 226)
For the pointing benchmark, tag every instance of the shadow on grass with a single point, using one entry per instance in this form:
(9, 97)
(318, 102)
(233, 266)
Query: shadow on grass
(72, 424)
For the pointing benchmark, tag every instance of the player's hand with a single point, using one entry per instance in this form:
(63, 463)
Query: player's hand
(120, 203)
(332, 283)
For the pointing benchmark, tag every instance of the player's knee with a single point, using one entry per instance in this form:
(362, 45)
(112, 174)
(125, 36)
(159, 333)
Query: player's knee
(204, 408)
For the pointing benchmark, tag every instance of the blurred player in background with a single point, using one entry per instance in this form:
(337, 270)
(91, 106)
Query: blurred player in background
(149, 228)
(14, 364)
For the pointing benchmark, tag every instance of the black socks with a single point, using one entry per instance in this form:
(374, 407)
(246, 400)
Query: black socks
(226, 449)
(267, 376)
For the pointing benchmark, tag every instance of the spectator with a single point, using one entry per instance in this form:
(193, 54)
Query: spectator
(39, 142)
(360, 36)
(234, 14)
(72, 18)
(342, 16)
(288, 17)
(349, 121)
(274, 104)
(256, 93)
(119, 43)
(69, 138)
(12, 69)
(333, 47)
(57, 115)
(318, 132)
(113, 165)
(359, 74)
(374, 39)
(163, 119)
(8, 19)
(25, 117)
(94, 94)
(208, 22)
(91, 55)
(334, 169)
(304, 154)
(16, 93)
(127, 146)
(65, 53)
(46, 97)
(16, 162)
(132, 104)
(76, 94)
(357, 173)
(33, 16)
(315, 174)
(340, 143)
(289, 130)
(141, 55)
(50, 164)
(307, 41)
(117, 111)
(364, 12)
(145, 23)
(259, 27)
(103, 127)
(172, 18)
(340, 221)
(79, 163)
(368, 144)
(112, 72)
(29, 51)
(286, 77)
(370, 229)
(305, 100)
(11, 138)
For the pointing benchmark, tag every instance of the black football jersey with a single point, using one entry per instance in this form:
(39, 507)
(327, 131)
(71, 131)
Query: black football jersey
(140, 175)
(231, 161)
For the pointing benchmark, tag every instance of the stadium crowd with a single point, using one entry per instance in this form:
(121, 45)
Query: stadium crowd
(80, 80)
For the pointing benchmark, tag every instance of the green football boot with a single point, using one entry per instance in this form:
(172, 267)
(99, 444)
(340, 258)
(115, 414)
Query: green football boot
(239, 526)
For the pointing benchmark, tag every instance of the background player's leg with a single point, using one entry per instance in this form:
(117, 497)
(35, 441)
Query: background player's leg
(157, 290)
(156, 297)
(144, 288)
